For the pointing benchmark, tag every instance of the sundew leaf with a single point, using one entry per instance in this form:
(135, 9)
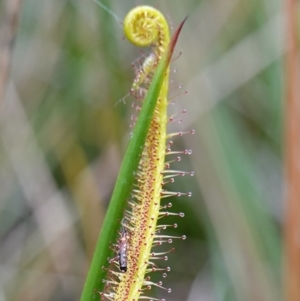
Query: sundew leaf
(123, 186)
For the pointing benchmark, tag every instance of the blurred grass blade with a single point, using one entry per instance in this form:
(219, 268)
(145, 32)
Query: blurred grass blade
(12, 12)
(292, 160)
(125, 180)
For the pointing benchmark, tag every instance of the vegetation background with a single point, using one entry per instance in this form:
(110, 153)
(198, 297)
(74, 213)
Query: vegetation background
(63, 133)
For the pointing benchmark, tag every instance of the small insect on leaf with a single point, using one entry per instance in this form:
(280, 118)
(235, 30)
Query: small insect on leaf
(122, 252)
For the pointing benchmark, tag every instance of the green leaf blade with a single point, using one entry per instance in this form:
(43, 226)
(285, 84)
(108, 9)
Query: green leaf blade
(111, 224)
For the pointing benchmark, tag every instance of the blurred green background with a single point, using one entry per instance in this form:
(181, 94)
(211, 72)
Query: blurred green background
(64, 130)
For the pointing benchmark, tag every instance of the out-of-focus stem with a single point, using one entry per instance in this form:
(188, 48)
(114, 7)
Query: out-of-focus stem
(292, 162)
(8, 30)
